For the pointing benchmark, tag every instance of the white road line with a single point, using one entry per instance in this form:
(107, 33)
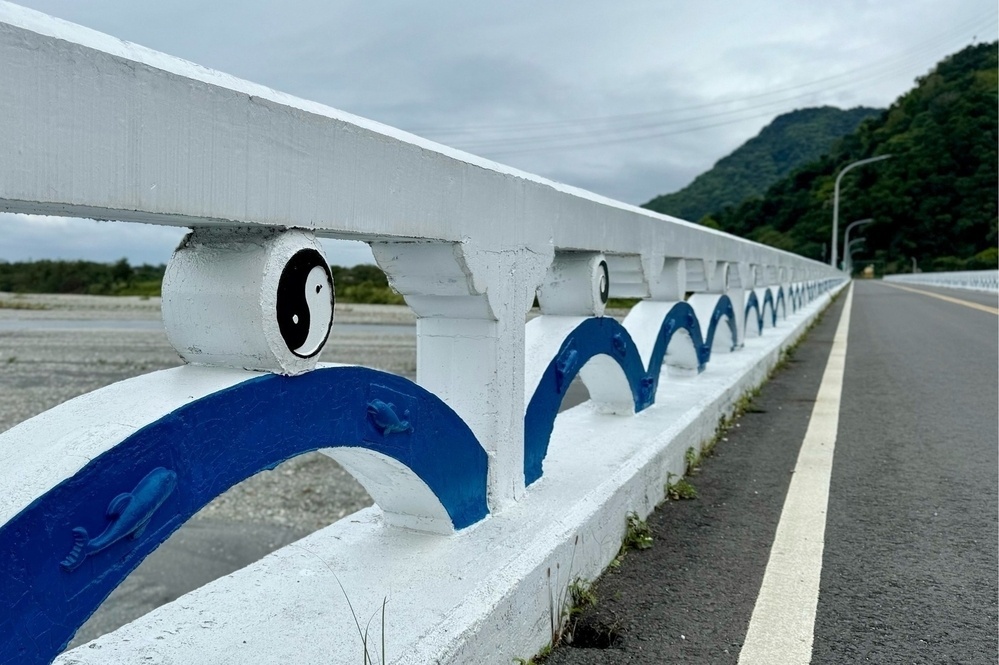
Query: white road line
(783, 621)
(966, 303)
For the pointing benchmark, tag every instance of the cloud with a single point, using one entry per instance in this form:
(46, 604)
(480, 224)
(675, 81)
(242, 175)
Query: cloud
(35, 237)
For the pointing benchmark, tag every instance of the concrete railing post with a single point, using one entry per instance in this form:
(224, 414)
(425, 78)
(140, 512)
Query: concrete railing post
(470, 304)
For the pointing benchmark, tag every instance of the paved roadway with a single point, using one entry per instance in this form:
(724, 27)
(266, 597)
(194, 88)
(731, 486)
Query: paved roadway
(909, 567)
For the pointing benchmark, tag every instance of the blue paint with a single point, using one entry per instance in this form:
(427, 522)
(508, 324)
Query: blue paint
(385, 419)
(129, 514)
(606, 336)
(680, 317)
(753, 304)
(620, 343)
(723, 310)
(210, 445)
(768, 299)
(595, 336)
(781, 304)
(566, 367)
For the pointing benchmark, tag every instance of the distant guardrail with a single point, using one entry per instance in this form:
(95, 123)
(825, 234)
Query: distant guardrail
(473, 505)
(972, 280)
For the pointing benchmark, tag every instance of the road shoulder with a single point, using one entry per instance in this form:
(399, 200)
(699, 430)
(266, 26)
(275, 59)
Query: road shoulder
(690, 596)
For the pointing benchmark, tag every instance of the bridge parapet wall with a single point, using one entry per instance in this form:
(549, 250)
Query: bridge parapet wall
(483, 489)
(972, 280)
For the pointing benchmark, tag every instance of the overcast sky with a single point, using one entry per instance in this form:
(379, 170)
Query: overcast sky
(629, 99)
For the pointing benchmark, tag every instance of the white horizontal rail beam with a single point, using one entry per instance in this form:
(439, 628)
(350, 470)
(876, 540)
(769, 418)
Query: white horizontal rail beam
(106, 129)
(972, 280)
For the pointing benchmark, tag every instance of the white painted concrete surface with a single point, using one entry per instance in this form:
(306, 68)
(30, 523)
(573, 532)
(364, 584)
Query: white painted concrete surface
(220, 295)
(479, 596)
(45, 450)
(468, 242)
(252, 156)
(973, 280)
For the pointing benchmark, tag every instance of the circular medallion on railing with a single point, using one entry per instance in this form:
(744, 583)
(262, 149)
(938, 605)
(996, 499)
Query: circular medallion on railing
(305, 303)
(577, 284)
(258, 299)
(603, 286)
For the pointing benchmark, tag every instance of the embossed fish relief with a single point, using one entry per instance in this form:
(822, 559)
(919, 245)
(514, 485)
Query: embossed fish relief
(129, 514)
(385, 418)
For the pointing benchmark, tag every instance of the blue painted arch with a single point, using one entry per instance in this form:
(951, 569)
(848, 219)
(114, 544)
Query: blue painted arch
(800, 296)
(768, 301)
(723, 311)
(592, 337)
(605, 336)
(680, 317)
(210, 445)
(753, 305)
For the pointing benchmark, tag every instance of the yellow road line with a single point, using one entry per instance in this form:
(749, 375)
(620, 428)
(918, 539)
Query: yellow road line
(966, 303)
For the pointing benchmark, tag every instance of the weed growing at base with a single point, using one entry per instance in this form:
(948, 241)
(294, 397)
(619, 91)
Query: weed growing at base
(564, 607)
(637, 536)
(681, 490)
(366, 657)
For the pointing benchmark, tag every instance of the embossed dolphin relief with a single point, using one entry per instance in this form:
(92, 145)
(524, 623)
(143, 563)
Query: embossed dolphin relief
(385, 418)
(129, 514)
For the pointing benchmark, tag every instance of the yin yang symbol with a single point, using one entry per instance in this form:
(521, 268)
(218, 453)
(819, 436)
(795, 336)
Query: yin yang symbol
(305, 303)
(603, 287)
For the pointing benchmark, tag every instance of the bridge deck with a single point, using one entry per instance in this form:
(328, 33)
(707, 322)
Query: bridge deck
(910, 542)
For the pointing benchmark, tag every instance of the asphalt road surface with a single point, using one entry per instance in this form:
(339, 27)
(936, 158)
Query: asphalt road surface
(909, 566)
(910, 559)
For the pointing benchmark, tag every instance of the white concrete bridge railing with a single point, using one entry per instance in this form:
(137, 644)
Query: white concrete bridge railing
(488, 500)
(973, 280)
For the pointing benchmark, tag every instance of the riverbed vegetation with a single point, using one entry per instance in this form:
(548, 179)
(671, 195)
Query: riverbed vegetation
(357, 284)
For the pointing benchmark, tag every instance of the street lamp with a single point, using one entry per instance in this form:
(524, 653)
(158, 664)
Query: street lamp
(846, 238)
(835, 228)
(848, 254)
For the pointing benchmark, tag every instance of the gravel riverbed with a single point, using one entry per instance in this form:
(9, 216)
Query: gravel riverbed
(56, 347)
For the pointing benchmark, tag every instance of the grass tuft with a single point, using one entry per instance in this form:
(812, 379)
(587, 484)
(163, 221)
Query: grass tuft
(681, 490)
(16, 304)
(638, 535)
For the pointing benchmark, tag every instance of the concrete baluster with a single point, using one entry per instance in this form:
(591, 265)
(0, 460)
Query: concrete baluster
(470, 304)
(667, 284)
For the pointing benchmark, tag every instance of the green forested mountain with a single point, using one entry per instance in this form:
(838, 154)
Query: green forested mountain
(791, 140)
(934, 200)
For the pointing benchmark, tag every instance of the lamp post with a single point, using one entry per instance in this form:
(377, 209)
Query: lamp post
(848, 254)
(846, 239)
(835, 228)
